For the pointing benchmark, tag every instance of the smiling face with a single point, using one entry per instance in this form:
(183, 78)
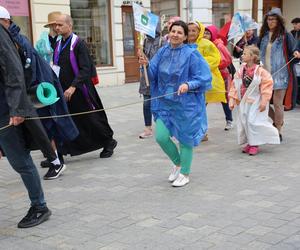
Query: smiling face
(193, 33)
(177, 36)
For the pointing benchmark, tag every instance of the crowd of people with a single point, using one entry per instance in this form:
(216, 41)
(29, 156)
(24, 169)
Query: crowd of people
(183, 71)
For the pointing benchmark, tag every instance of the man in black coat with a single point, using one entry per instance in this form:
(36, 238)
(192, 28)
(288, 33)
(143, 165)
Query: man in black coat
(74, 66)
(14, 107)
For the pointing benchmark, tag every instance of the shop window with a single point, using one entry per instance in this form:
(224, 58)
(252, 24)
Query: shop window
(222, 10)
(92, 23)
(165, 7)
(19, 11)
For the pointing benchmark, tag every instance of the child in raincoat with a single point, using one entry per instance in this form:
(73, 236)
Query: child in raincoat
(249, 96)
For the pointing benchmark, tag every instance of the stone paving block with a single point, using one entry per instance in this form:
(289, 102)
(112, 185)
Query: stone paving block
(257, 245)
(148, 222)
(272, 222)
(259, 230)
(232, 230)
(287, 229)
(243, 238)
(116, 246)
(288, 216)
(272, 238)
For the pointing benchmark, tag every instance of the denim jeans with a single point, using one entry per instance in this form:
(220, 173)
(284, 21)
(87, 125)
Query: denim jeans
(147, 111)
(227, 111)
(13, 146)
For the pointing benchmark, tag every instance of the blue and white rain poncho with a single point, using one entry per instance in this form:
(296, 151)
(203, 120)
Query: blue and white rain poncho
(184, 115)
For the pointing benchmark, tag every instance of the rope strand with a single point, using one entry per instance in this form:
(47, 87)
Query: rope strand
(127, 104)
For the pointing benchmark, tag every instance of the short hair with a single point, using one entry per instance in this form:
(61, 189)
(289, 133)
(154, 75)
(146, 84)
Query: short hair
(254, 51)
(183, 25)
(68, 19)
(296, 20)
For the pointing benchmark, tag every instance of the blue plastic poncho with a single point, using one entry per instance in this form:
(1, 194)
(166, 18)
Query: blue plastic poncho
(43, 47)
(184, 115)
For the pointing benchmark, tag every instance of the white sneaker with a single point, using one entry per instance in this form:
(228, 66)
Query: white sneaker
(174, 174)
(228, 125)
(181, 181)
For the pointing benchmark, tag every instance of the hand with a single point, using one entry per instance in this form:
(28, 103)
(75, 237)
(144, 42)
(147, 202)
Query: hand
(262, 107)
(16, 120)
(69, 92)
(231, 104)
(183, 88)
(143, 60)
(297, 54)
(1, 155)
(139, 53)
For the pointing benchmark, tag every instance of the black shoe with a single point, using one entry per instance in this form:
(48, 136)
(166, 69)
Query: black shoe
(34, 217)
(48, 164)
(109, 150)
(55, 171)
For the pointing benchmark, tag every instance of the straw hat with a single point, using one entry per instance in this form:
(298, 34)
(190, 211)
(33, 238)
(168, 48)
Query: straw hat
(52, 17)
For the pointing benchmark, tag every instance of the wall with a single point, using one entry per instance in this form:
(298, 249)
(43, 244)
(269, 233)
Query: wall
(291, 9)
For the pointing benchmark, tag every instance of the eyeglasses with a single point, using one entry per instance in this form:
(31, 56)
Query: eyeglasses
(272, 19)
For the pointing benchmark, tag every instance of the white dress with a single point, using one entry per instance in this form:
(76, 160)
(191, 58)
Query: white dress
(253, 127)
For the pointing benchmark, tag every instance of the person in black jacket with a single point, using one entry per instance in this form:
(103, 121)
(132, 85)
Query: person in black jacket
(14, 107)
(296, 31)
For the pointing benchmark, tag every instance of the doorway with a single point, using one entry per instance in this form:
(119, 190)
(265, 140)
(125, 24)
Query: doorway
(130, 45)
(269, 4)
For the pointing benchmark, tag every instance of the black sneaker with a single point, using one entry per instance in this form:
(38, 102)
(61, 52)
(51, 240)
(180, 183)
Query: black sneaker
(34, 217)
(55, 171)
(109, 150)
(48, 164)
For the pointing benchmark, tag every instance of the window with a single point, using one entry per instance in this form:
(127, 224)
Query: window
(165, 7)
(92, 23)
(222, 11)
(19, 11)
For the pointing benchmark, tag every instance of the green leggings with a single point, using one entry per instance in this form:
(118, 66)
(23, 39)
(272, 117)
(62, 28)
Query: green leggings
(182, 158)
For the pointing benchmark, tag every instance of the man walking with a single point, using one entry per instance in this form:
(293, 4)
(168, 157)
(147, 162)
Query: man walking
(14, 106)
(74, 66)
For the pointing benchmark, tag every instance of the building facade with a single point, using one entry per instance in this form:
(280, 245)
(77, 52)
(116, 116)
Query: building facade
(107, 25)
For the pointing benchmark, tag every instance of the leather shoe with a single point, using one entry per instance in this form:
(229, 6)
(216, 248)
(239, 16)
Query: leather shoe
(109, 150)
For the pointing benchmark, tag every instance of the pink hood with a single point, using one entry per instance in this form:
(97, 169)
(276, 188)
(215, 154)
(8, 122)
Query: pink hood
(214, 32)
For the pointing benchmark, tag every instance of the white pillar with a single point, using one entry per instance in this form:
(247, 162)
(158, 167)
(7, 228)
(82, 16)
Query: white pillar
(40, 10)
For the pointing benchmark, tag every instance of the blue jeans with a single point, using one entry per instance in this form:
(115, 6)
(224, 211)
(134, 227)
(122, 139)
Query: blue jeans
(227, 111)
(13, 145)
(147, 111)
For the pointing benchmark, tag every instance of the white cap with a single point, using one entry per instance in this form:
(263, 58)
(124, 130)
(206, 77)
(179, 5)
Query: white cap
(4, 13)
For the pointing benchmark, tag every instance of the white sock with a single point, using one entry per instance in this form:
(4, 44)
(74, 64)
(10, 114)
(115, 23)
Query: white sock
(56, 161)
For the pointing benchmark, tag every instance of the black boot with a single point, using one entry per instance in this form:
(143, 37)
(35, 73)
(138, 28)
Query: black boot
(109, 149)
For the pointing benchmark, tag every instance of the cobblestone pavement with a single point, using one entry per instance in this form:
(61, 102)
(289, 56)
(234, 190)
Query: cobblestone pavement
(233, 201)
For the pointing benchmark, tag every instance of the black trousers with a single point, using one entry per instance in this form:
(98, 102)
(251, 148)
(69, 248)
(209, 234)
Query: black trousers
(39, 138)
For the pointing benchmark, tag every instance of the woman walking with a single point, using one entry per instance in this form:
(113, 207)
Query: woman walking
(276, 47)
(180, 76)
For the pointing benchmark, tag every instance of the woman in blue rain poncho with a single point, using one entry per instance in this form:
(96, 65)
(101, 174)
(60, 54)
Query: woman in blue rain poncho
(179, 77)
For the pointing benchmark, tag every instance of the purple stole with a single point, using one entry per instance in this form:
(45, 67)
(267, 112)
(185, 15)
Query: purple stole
(74, 65)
